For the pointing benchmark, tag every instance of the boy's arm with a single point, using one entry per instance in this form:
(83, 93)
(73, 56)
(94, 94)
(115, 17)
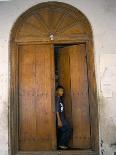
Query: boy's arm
(59, 120)
(58, 112)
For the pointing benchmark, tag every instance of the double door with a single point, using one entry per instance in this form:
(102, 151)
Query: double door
(36, 76)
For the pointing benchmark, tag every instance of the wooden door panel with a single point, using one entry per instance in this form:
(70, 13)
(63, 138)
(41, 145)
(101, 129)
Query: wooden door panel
(26, 96)
(73, 76)
(36, 128)
(64, 80)
(44, 94)
(79, 91)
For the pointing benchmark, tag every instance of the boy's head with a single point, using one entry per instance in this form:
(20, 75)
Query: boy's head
(59, 90)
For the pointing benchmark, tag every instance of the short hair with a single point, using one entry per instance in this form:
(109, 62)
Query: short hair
(59, 87)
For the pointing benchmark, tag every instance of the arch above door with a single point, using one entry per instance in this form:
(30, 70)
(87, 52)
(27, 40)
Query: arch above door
(51, 23)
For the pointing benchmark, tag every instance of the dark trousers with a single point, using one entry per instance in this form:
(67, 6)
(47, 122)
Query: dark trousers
(63, 134)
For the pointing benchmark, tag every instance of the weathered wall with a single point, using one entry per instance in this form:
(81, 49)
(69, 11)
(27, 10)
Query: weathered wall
(101, 14)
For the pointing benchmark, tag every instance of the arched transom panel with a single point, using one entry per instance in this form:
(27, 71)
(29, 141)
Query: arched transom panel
(52, 21)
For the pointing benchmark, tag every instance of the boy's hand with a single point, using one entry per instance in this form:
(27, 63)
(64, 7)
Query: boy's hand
(59, 120)
(59, 124)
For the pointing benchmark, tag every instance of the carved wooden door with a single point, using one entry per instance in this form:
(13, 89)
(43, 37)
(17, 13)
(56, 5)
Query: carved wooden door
(36, 82)
(73, 76)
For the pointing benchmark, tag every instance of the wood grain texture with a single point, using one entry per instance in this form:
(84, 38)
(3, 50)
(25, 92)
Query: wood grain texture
(92, 97)
(79, 91)
(57, 19)
(36, 129)
(64, 80)
(73, 76)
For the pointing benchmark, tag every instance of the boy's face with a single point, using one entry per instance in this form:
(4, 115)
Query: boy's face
(60, 91)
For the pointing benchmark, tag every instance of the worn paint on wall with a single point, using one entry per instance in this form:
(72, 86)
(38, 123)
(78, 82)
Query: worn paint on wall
(3, 98)
(108, 104)
(101, 14)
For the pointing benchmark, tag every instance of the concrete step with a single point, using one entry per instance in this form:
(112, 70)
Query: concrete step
(77, 152)
(60, 152)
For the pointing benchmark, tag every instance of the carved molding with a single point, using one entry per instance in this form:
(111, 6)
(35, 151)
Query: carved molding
(51, 21)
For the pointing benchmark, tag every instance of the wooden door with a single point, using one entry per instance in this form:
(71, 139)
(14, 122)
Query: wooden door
(36, 84)
(73, 76)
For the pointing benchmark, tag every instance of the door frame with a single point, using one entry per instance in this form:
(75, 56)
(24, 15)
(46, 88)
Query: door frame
(13, 117)
(82, 36)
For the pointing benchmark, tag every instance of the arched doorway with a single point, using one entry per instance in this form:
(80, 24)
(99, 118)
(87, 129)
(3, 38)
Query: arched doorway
(49, 32)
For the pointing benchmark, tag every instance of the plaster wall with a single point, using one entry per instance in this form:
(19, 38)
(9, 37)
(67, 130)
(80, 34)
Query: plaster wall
(101, 14)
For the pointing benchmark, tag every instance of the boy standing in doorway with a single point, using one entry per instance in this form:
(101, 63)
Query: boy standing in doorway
(63, 128)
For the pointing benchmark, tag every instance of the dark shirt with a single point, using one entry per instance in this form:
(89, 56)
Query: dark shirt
(60, 109)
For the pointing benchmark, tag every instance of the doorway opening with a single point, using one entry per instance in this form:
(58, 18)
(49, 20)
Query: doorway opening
(71, 73)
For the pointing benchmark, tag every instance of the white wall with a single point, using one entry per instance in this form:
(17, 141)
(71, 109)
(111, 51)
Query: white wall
(101, 14)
